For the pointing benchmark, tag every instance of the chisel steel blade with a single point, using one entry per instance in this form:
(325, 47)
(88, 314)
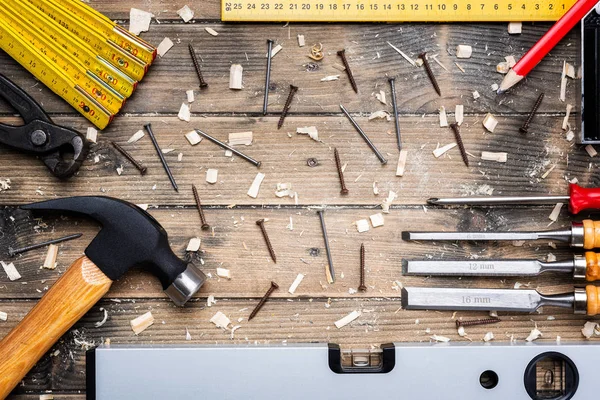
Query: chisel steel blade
(480, 299)
(472, 267)
(470, 236)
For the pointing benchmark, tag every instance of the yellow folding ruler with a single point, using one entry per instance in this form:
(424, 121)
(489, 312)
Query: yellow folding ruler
(77, 52)
(393, 10)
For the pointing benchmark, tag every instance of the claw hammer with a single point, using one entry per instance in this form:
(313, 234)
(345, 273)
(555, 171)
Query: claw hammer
(129, 238)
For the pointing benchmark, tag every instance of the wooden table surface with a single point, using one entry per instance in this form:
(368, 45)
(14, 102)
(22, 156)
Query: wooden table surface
(236, 243)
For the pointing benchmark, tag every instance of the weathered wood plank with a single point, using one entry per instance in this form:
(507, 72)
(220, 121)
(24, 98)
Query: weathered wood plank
(280, 321)
(238, 246)
(284, 159)
(371, 58)
(163, 10)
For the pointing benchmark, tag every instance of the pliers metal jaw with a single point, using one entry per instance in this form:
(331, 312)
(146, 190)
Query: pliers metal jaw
(61, 149)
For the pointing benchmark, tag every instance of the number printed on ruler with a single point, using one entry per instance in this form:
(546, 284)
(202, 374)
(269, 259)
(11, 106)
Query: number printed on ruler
(394, 11)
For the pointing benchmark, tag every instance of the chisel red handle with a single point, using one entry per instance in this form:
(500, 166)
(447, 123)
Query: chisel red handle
(583, 198)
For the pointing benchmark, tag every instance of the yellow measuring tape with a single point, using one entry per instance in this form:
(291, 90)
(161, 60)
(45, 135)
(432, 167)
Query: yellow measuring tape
(78, 53)
(393, 10)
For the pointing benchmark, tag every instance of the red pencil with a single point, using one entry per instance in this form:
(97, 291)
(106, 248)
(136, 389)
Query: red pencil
(546, 43)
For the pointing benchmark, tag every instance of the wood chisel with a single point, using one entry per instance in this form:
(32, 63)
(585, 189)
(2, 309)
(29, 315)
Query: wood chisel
(579, 199)
(585, 234)
(582, 300)
(581, 267)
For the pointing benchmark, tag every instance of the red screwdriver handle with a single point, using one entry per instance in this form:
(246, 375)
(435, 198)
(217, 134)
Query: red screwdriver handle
(583, 198)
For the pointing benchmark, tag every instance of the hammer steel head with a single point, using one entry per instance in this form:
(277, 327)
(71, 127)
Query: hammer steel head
(130, 238)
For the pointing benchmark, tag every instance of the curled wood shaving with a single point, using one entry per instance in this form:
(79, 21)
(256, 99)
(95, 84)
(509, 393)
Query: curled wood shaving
(255, 187)
(534, 335)
(310, 131)
(104, 319)
(589, 329)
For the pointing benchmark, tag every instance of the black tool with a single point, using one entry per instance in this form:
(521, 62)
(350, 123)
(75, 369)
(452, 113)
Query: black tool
(54, 144)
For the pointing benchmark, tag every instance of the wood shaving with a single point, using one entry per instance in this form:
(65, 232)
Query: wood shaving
(377, 220)
(136, 136)
(330, 78)
(301, 41)
(193, 138)
(188, 336)
(3, 316)
(463, 51)
(563, 83)
(502, 68)
(570, 135)
(233, 329)
(459, 112)
(220, 320)
(490, 122)
(514, 28)
(488, 336)
(565, 123)
(439, 338)
(141, 323)
(460, 67)
(381, 114)
(185, 13)
(190, 96)
(385, 205)
(381, 97)
(591, 151)
(274, 51)
(4, 184)
(254, 188)
(235, 77)
(92, 135)
(476, 95)
(407, 58)
(494, 87)
(437, 153)
(310, 131)
(194, 244)
(511, 61)
(139, 21)
(295, 284)
(46, 397)
(164, 47)
(224, 273)
(494, 156)
(443, 117)
(362, 225)
(534, 335)
(347, 319)
(589, 329)
(184, 113)
(50, 261)
(240, 138)
(555, 212)
(211, 32)
(401, 162)
(550, 258)
(545, 174)
(569, 71)
(212, 175)
(210, 300)
(104, 319)
(339, 67)
(11, 271)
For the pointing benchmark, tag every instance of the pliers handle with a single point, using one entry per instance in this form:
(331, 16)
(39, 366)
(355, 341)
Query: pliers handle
(61, 149)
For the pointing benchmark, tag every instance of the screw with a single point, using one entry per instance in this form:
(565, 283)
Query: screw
(338, 165)
(364, 136)
(161, 156)
(312, 162)
(395, 107)
(14, 252)
(203, 83)
(228, 147)
(362, 286)
(327, 249)
(268, 77)
(200, 211)
(459, 141)
(286, 107)
(525, 126)
(261, 223)
(342, 54)
(477, 322)
(423, 56)
(128, 156)
(263, 300)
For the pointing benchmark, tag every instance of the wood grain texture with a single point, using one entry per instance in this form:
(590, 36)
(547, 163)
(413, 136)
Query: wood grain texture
(80, 287)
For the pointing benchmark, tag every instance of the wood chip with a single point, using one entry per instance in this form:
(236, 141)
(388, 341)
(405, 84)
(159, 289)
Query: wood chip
(212, 175)
(362, 225)
(563, 83)
(588, 330)
(310, 131)
(443, 117)
(490, 122)
(295, 284)
(46, 397)
(555, 212)
(210, 300)
(511, 61)
(441, 150)
(185, 13)
(514, 28)
(381, 97)
(164, 47)
(104, 318)
(211, 32)
(254, 188)
(240, 138)
(139, 21)
(274, 51)
(464, 51)
(136, 136)
(190, 96)
(330, 78)
(184, 113)
(220, 320)
(235, 77)
(193, 244)
(460, 67)
(488, 336)
(339, 67)
(193, 138)
(407, 58)
(385, 205)
(494, 156)
(565, 123)
(533, 335)
(476, 95)
(50, 261)
(92, 135)
(11, 271)
(141, 323)
(569, 71)
(377, 220)
(347, 319)
(570, 136)
(3, 316)
(401, 162)
(439, 338)
(459, 112)
(381, 114)
(224, 273)
(301, 41)
(502, 68)
(591, 151)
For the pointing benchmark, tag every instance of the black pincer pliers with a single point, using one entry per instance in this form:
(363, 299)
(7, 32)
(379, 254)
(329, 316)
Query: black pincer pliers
(61, 149)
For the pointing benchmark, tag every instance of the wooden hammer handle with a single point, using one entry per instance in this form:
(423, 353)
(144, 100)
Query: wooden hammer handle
(80, 287)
